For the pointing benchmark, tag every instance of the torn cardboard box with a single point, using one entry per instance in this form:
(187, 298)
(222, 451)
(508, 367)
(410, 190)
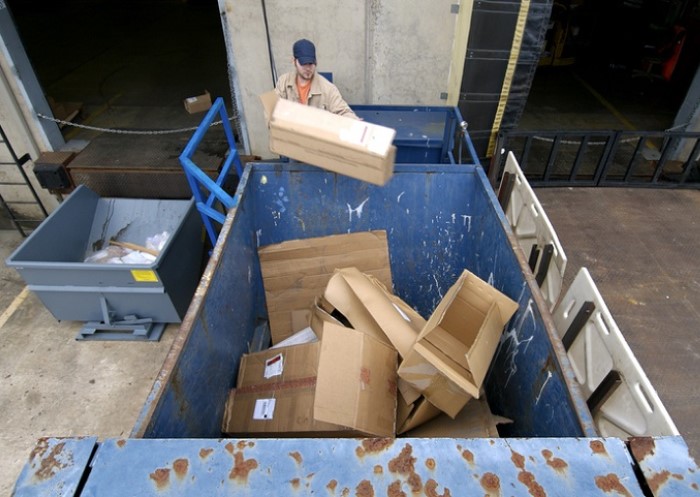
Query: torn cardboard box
(453, 352)
(370, 307)
(344, 385)
(474, 421)
(295, 272)
(200, 103)
(340, 144)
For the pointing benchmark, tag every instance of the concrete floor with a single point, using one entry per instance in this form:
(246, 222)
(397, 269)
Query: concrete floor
(53, 385)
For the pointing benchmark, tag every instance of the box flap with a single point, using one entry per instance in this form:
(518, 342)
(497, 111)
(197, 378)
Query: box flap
(435, 386)
(412, 415)
(295, 272)
(356, 382)
(373, 309)
(269, 100)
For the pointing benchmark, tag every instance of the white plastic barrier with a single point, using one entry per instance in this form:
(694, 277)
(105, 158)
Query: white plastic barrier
(621, 398)
(533, 231)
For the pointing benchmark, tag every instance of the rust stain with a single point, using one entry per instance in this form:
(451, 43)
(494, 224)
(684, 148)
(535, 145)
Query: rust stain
(364, 489)
(656, 481)
(50, 464)
(345, 492)
(554, 462)
(365, 376)
(229, 448)
(204, 453)
(394, 490)
(310, 475)
(296, 456)
(492, 442)
(491, 483)
(695, 486)
(161, 476)
(415, 482)
(42, 445)
(528, 479)
(375, 445)
(611, 483)
(359, 452)
(121, 443)
(180, 466)
(430, 463)
(468, 456)
(242, 467)
(598, 447)
(295, 483)
(378, 470)
(404, 462)
(242, 444)
(431, 489)
(332, 485)
(518, 459)
(642, 447)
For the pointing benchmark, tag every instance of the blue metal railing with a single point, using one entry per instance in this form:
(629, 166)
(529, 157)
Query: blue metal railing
(206, 191)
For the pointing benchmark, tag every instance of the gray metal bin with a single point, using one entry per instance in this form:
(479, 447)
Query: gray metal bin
(117, 301)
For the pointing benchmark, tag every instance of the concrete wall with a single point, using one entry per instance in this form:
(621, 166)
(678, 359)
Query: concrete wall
(379, 51)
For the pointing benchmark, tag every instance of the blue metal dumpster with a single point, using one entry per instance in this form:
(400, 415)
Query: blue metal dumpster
(440, 219)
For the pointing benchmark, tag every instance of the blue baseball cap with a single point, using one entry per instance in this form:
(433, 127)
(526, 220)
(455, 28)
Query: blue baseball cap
(305, 52)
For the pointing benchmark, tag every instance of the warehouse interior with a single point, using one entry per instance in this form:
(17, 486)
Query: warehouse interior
(114, 65)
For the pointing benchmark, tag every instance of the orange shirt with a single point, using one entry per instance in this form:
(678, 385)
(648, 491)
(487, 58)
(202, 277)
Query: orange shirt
(304, 92)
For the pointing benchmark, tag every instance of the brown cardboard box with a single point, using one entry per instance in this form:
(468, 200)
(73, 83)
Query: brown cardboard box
(200, 103)
(344, 385)
(340, 144)
(474, 421)
(411, 415)
(451, 357)
(370, 307)
(295, 272)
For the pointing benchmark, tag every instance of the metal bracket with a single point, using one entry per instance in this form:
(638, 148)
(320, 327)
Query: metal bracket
(131, 328)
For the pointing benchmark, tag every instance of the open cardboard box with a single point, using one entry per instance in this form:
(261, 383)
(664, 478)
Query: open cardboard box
(343, 385)
(453, 352)
(340, 144)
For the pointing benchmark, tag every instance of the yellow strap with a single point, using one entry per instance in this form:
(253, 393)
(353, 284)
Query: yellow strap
(510, 72)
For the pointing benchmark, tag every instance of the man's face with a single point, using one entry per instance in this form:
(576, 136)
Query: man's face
(305, 71)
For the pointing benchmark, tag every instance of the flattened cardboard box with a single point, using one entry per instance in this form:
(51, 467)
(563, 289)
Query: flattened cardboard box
(295, 272)
(451, 357)
(344, 385)
(340, 144)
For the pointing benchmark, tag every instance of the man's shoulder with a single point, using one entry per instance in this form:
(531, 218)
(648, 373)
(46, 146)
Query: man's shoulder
(287, 79)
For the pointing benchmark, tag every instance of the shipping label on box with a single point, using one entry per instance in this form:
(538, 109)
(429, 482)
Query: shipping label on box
(344, 145)
(296, 272)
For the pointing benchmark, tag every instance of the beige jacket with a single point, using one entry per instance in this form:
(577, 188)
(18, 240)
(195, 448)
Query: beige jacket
(323, 94)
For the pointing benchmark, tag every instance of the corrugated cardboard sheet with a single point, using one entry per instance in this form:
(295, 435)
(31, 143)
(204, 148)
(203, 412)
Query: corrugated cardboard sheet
(295, 272)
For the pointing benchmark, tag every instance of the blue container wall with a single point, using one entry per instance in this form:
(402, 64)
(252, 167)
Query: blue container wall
(440, 219)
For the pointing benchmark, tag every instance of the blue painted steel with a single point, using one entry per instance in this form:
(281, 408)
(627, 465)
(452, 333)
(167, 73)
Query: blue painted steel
(440, 219)
(199, 182)
(344, 467)
(55, 467)
(667, 466)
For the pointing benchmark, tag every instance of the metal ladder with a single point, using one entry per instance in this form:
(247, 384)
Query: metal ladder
(18, 162)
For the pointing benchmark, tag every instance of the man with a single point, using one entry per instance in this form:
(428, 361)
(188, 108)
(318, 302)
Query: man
(304, 85)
